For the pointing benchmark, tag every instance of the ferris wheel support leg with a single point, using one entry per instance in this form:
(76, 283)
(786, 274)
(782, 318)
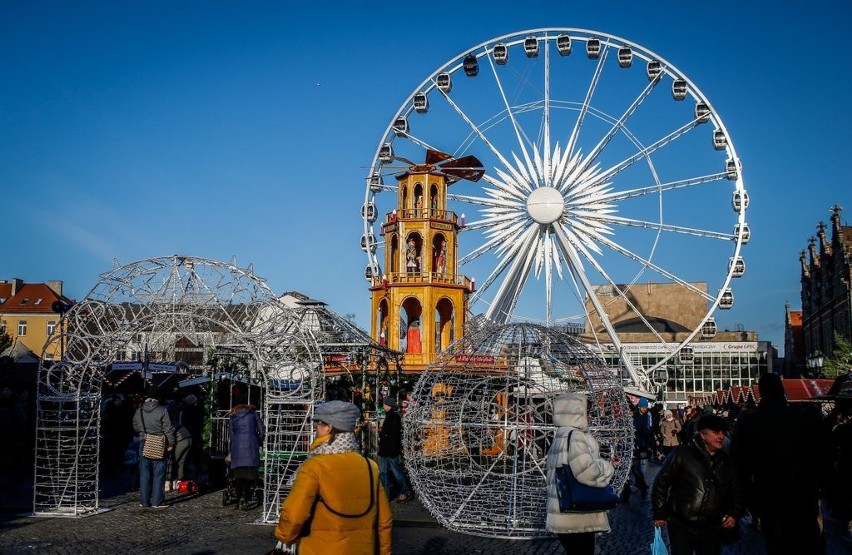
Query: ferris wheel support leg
(576, 267)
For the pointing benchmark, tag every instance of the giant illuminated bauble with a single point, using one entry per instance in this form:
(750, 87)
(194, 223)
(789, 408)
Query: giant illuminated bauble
(479, 425)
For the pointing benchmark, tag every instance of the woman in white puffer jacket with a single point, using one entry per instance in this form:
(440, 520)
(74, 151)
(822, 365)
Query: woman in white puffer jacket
(576, 531)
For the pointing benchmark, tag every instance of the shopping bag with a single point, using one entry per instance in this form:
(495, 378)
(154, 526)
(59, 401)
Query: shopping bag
(282, 548)
(658, 546)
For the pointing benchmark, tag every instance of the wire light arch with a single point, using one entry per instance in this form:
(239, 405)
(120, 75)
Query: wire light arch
(151, 306)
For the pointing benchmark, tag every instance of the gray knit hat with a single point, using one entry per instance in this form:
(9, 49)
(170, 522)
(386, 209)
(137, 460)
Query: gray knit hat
(341, 415)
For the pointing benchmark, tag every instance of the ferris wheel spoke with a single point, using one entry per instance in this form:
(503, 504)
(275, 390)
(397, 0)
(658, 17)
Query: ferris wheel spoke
(515, 125)
(619, 124)
(576, 267)
(546, 114)
(658, 226)
(479, 251)
(644, 152)
(648, 264)
(492, 202)
(492, 277)
(479, 224)
(614, 286)
(498, 230)
(494, 150)
(662, 187)
(553, 254)
(521, 253)
(575, 132)
(548, 277)
(508, 187)
(576, 288)
(418, 141)
(507, 295)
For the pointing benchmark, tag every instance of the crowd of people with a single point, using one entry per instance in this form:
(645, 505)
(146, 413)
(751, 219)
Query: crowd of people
(779, 467)
(126, 419)
(773, 466)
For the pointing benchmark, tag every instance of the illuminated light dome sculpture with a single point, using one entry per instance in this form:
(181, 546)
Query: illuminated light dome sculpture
(479, 425)
(207, 317)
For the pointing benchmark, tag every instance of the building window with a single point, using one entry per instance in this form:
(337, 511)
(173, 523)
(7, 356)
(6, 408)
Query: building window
(38, 302)
(22, 328)
(51, 327)
(25, 301)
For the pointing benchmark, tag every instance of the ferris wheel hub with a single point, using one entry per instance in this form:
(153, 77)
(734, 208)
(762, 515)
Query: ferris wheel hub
(545, 205)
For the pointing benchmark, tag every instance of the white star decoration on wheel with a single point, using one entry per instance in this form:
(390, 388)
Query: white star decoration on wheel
(528, 201)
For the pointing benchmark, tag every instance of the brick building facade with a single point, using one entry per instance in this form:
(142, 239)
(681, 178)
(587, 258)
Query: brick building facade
(826, 276)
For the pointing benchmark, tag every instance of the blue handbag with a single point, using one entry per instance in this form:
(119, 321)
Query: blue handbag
(575, 497)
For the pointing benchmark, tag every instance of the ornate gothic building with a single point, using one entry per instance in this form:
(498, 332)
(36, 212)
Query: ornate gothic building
(826, 275)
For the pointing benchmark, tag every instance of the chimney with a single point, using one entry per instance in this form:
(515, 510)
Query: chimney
(17, 283)
(56, 286)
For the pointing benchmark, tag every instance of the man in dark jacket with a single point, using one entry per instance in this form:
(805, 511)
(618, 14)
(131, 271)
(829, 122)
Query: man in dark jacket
(780, 453)
(152, 418)
(390, 448)
(643, 447)
(696, 493)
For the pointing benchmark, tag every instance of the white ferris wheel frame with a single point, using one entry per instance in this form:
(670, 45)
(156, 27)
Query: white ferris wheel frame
(519, 271)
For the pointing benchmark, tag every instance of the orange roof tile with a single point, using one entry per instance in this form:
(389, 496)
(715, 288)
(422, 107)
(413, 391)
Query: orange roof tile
(31, 298)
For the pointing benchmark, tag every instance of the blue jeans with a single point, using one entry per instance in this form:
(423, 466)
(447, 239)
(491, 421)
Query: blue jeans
(152, 481)
(390, 466)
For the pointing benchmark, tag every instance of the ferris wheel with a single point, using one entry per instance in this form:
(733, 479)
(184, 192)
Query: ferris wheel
(608, 173)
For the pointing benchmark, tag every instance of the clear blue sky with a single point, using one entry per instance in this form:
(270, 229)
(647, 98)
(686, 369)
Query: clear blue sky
(131, 130)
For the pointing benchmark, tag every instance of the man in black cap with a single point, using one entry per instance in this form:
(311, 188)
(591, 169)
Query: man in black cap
(696, 493)
(390, 448)
(780, 454)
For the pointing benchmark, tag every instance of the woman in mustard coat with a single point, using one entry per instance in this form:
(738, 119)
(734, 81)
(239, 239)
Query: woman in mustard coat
(337, 503)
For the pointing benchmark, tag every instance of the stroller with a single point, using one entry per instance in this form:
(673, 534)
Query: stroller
(251, 494)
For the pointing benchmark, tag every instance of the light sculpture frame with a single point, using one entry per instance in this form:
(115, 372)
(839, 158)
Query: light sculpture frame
(149, 305)
(479, 425)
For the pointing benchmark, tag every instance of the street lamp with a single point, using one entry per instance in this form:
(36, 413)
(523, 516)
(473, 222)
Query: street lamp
(815, 363)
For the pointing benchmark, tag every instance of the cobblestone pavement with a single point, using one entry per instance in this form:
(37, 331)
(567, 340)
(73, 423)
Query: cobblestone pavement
(199, 524)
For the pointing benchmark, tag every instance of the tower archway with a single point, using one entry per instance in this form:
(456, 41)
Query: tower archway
(411, 313)
(444, 324)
